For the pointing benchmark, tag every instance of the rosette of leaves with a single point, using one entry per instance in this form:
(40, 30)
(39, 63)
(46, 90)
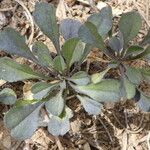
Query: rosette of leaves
(62, 78)
(98, 32)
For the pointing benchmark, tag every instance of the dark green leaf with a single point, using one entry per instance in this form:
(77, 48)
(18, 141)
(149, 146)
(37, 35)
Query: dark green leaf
(129, 25)
(106, 90)
(90, 106)
(134, 50)
(145, 53)
(7, 96)
(69, 28)
(60, 125)
(41, 89)
(102, 20)
(80, 78)
(45, 17)
(12, 42)
(55, 105)
(116, 44)
(12, 71)
(88, 33)
(59, 63)
(72, 51)
(41, 51)
(23, 121)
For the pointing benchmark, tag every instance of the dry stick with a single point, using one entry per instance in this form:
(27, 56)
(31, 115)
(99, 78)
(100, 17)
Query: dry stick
(138, 129)
(60, 147)
(88, 65)
(84, 2)
(31, 20)
(106, 129)
(6, 9)
(148, 140)
(89, 3)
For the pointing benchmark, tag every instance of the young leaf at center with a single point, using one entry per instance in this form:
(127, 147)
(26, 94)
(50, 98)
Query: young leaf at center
(72, 51)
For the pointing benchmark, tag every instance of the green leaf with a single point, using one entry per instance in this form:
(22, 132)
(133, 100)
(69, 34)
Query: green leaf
(60, 125)
(106, 90)
(87, 50)
(44, 16)
(144, 103)
(135, 49)
(134, 75)
(72, 51)
(90, 106)
(146, 39)
(41, 51)
(13, 43)
(146, 74)
(145, 53)
(59, 63)
(130, 24)
(69, 28)
(55, 105)
(102, 20)
(88, 33)
(23, 121)
(12, 71)
(8, 96)
(22, 103)
(41, 89)
(97, 77)
(80, 78)
(130, 89)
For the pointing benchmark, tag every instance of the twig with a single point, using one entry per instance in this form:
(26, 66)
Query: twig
(138, 129)
(118, 121)
(31, 20)
(88, 65)
(126, 118)
(60, 147)
(125, 140)
(148, 140)
(106, 129)
(70, 97)
(6, 9)
(84, 2)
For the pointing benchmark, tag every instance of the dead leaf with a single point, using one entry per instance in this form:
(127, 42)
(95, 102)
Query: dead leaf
(2, 82)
